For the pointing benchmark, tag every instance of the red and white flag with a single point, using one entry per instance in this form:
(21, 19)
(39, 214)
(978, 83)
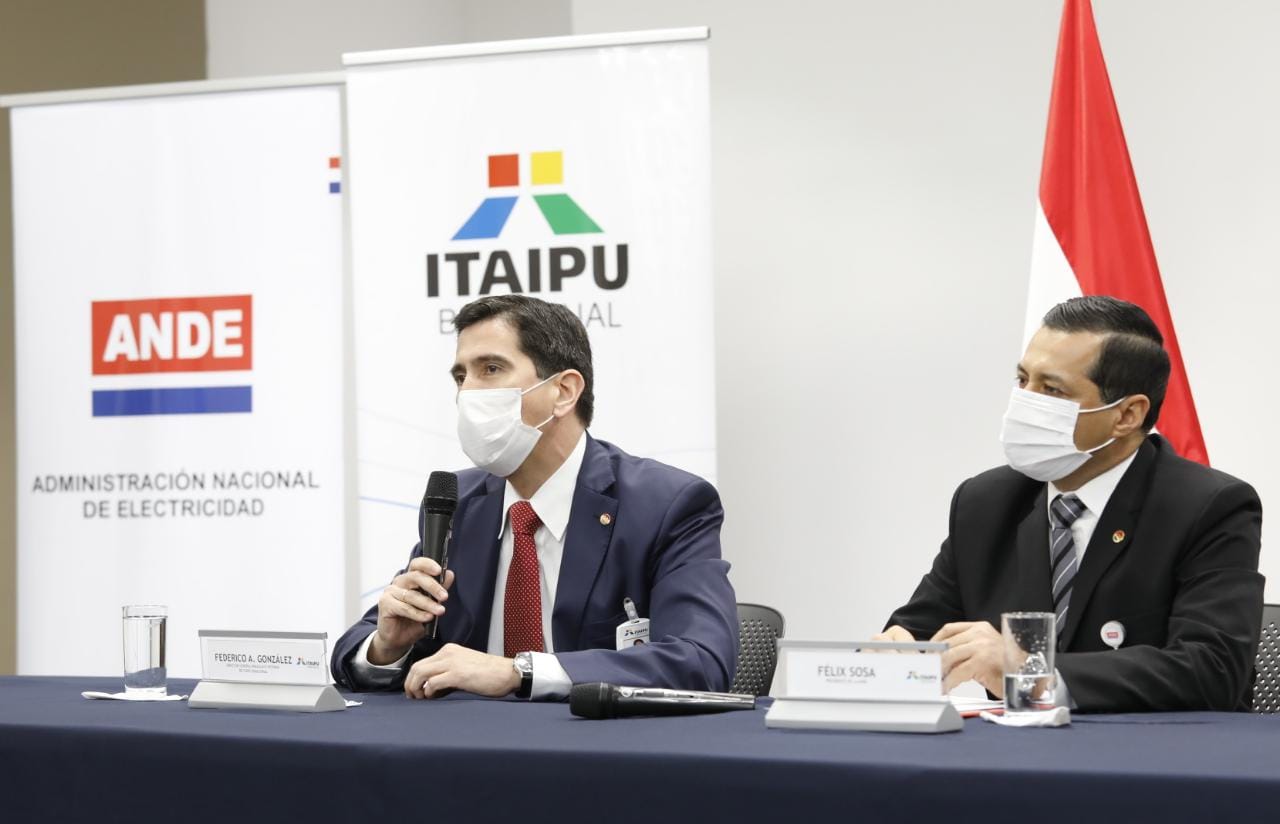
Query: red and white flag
(1091, 234)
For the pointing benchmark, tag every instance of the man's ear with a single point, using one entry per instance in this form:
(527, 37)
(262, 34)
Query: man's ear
(571, 385)
(1132, 413)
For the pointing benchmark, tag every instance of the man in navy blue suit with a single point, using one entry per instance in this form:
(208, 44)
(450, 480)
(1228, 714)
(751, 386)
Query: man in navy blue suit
(553, 533)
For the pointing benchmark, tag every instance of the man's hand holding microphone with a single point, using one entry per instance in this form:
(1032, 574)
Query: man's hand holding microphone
(414, 601)
(406, 609)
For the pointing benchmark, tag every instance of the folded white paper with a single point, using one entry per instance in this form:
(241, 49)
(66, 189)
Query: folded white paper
(969, 704)
(1056, 717)
(129, 696)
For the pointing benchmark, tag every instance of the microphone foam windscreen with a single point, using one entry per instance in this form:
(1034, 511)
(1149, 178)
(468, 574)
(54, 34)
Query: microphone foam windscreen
(589, 700)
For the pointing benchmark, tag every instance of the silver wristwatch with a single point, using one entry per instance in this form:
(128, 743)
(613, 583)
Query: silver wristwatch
(523, 662)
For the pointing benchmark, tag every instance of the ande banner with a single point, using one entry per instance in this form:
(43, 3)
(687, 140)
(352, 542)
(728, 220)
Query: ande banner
(179, 368)
(572, 169)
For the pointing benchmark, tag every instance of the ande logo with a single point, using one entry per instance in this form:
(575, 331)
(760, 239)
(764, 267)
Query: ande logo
(466, 273)
(155, 335)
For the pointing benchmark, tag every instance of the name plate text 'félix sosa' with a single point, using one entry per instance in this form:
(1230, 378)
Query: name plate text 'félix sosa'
(868, 685)
(868, 671)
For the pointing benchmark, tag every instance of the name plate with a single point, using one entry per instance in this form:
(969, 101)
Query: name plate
(296, 658)
(859, 671)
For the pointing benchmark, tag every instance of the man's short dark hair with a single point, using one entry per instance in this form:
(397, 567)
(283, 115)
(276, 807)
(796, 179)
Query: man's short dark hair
(1132, 360)
(552, 336)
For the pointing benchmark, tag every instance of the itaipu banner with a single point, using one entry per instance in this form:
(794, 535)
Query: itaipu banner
(179, 370)
(576, 170)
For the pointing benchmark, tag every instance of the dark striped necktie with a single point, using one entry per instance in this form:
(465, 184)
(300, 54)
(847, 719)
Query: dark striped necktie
(1064, 562)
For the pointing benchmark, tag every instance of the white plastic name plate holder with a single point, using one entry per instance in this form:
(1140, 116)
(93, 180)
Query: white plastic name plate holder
(265, 670)
(869, 685)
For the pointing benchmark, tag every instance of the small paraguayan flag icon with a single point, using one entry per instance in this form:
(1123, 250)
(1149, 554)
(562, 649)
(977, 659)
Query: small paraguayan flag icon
(335, 186)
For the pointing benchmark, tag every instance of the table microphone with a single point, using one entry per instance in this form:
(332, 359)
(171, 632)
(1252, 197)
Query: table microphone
(438, 504)
(599, 700)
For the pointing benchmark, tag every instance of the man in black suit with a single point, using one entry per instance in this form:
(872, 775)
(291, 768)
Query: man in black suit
(1101, 522)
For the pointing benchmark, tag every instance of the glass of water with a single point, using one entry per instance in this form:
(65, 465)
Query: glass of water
(144, 631)
(1029, 680)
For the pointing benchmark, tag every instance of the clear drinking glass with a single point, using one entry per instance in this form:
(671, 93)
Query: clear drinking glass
(1029, 680)
(144, 631)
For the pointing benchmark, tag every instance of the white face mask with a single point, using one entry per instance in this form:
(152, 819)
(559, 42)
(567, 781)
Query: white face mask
(492, 430)
(1039, 435)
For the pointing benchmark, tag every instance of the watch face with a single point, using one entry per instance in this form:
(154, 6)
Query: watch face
(524, 666)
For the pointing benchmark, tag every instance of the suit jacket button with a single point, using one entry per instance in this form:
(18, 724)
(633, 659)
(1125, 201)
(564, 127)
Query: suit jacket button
(606, 519)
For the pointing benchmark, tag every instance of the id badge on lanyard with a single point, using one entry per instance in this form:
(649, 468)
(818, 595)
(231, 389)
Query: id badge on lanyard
(633, 631)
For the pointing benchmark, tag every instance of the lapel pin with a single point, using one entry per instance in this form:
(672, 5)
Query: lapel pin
(606, 519)
(1113, 634)
(1117, 536)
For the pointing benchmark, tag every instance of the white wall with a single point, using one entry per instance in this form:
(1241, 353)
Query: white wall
(875, 174)
(879, 161)
(265, 37)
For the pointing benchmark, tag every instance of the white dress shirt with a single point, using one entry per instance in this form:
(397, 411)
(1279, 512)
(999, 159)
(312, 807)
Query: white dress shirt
(1094, 494)
(552, 503)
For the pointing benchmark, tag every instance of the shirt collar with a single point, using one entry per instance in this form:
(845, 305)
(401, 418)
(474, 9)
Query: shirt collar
(1095, 493)
(554, 498)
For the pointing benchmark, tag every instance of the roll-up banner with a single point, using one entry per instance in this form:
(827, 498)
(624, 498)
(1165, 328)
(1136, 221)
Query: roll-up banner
(572, 169)
(179, 275)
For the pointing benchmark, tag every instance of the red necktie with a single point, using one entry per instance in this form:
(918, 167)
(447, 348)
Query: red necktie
(522, 611)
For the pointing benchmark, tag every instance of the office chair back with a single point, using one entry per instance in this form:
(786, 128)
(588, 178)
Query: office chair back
(759, 628)
(1266, 686)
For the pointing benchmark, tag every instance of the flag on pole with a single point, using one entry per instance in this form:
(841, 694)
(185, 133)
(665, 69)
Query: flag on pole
(1091, 234)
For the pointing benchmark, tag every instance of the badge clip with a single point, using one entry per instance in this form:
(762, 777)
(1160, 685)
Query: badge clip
(634, 631)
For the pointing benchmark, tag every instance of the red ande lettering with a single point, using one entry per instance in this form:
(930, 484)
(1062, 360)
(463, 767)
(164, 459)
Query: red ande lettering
(207, 334)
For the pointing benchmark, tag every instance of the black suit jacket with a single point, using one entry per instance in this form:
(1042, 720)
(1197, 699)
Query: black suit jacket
(1174, 558)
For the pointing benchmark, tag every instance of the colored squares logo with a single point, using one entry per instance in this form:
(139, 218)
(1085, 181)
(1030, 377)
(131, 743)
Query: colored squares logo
(562, 213)
(548, 168)
(488, 220)
(564, 216)
(504, 170)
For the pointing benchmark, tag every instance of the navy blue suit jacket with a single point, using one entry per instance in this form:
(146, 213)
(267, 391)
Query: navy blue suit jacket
(660, 547)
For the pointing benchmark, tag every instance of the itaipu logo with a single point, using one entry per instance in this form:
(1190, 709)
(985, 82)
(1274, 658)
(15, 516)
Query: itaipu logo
(191, 335)
(563, 214)
(541, 270)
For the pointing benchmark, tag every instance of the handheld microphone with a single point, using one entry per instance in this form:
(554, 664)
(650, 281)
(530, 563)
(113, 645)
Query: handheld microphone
(600, 700)
(438, 503)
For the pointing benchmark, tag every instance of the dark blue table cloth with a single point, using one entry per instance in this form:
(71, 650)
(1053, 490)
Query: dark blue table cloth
(64, 758)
